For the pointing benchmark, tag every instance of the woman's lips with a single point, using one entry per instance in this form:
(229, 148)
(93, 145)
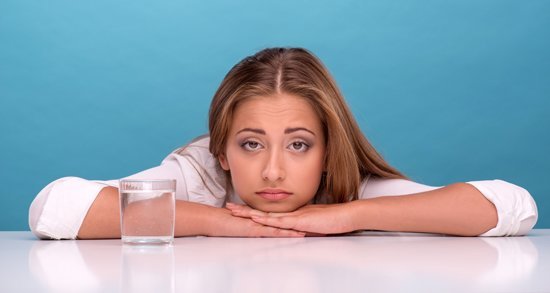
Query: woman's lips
(274, 194)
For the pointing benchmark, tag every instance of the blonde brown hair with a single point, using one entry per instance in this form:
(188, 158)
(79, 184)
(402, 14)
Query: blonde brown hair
(350, 158)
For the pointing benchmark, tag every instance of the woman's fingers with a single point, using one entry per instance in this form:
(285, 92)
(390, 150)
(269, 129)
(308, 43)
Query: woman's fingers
(274, 224)
(245, 211)
(233, 206)
(274, 221)
(237, 209)
(243, 214)
(276, 232)
(312, 234)
(313, 220)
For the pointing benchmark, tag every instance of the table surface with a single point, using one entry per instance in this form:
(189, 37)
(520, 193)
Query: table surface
(367, 261)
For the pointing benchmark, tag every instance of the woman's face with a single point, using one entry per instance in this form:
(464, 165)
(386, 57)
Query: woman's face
(275, 152)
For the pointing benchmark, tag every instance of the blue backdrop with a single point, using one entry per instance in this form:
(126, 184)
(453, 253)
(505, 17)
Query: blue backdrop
(447, 91)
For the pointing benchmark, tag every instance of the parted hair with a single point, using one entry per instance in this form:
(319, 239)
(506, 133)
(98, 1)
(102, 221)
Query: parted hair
(349, 158)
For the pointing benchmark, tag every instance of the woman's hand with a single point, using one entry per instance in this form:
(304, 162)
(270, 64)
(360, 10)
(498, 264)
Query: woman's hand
(313, 219)
(226, 224)
(198, 219)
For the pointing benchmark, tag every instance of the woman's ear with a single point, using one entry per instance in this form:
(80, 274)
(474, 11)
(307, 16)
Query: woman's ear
(223, 162)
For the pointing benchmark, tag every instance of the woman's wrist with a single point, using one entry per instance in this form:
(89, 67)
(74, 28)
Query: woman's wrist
(214, 221)
(193, 219)
(363, 216)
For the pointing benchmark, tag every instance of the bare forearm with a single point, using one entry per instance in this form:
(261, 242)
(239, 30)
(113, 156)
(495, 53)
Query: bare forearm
(194, 219)
(457, 209)
(103, 217)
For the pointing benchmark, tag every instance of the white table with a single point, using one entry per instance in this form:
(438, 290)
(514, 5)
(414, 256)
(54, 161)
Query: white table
(368, 262)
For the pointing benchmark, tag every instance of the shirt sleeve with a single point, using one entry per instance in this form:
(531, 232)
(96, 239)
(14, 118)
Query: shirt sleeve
(516, 208)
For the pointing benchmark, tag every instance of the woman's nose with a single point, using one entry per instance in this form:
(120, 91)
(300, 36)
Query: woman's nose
(274, 169)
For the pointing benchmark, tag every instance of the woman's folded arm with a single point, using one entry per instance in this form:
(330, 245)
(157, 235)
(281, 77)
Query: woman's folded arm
(492, 208)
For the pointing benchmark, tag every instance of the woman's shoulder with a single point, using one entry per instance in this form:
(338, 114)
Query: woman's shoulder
(374, 186)
(197, 153)
(205, 179)
(199, 144)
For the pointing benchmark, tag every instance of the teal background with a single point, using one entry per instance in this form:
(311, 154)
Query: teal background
(447, 90)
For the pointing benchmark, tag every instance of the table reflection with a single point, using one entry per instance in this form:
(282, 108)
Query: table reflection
(376, 261)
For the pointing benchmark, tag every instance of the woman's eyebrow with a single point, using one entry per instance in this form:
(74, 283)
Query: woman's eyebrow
(255, 130)
(287, 130)
(294, 129)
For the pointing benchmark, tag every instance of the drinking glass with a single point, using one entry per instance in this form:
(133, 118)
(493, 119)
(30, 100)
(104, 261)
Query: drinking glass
(147, 211)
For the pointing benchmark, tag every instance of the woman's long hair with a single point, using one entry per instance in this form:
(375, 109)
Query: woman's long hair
(350, 158)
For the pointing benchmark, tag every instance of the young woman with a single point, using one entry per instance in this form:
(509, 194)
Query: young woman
(285, 158)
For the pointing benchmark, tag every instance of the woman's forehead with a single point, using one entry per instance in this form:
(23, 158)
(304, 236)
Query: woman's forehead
(276, 110)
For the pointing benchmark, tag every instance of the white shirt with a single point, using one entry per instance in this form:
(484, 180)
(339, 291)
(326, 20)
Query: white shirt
(59, 208)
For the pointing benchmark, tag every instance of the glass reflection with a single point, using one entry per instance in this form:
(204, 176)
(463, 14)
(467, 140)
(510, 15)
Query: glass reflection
(148, 268)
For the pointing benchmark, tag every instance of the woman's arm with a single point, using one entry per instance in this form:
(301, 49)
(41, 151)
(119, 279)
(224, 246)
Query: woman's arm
(103, 220)
(457, 209)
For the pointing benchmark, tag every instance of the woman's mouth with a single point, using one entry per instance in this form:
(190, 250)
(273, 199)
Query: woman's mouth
(274, 194)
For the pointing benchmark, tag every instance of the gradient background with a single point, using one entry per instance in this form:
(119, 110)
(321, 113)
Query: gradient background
(102, 89)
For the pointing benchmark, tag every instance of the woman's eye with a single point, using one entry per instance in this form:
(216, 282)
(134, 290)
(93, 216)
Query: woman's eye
(251, 145)
(299, 146)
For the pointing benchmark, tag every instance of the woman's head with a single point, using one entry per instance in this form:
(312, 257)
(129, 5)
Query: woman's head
(280, 80)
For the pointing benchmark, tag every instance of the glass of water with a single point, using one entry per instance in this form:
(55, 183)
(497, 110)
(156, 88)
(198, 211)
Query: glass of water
(147, 211)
